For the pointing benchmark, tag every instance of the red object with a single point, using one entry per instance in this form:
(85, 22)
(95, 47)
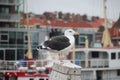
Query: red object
(24, 74)
(9, 74)
(114, 32)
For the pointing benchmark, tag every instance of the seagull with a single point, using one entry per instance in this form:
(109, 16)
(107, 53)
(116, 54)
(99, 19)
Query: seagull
(60, 44)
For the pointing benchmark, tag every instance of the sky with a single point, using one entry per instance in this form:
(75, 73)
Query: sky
(89, 7)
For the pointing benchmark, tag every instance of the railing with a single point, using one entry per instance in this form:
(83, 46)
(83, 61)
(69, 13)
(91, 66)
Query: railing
(32, 64)
(9, 2)
(101, 79)
(93, 63)
(10, 17)
(99, 63)
(15, 65)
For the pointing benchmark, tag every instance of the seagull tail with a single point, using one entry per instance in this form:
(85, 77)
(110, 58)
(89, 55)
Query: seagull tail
(41, 46)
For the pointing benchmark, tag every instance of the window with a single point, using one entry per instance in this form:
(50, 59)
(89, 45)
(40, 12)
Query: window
(4, 25)
(4, 37)
(20, 38)
(10, 55)
(20, 54)
(118, 55)
(113, 55)
(80, 55)
(95, 54)
(41, 79)
(82, 41)
(12, 38)
(25, 38)
(118, 72)
(1, 54)
(37, 26)
(34, 38)
(31, 79)
(76, 39)
(81, 38)
(4, 10)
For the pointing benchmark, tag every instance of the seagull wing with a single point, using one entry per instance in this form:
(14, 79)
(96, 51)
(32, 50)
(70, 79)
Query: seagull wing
(57, 43)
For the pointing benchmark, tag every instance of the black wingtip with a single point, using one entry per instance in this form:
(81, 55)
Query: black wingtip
(39, 47)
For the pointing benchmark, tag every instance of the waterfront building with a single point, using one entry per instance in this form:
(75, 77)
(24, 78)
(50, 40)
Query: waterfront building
(13, 38)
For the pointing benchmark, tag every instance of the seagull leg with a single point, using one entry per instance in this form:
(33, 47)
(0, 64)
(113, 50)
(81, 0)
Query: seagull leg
(60, 57)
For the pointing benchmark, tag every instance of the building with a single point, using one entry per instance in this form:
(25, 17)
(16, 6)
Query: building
(9, 14)
(13, 39)
(86, 27)
(115, 33)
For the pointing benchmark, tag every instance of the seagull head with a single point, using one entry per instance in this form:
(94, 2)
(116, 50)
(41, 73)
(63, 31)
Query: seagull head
(70, 32)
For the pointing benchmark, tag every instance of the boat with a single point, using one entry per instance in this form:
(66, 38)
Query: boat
(101, 63)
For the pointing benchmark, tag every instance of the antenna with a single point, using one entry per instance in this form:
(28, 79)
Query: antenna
(105, 16)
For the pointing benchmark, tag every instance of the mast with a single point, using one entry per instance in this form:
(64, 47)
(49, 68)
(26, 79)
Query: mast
(106, 39)
(86, 51)
(29, 52)
(105, 16)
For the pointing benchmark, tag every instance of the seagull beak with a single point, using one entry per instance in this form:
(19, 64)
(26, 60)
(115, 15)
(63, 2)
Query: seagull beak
(76, 33)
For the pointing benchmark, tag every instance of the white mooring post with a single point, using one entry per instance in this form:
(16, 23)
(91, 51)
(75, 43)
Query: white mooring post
(65, 71)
